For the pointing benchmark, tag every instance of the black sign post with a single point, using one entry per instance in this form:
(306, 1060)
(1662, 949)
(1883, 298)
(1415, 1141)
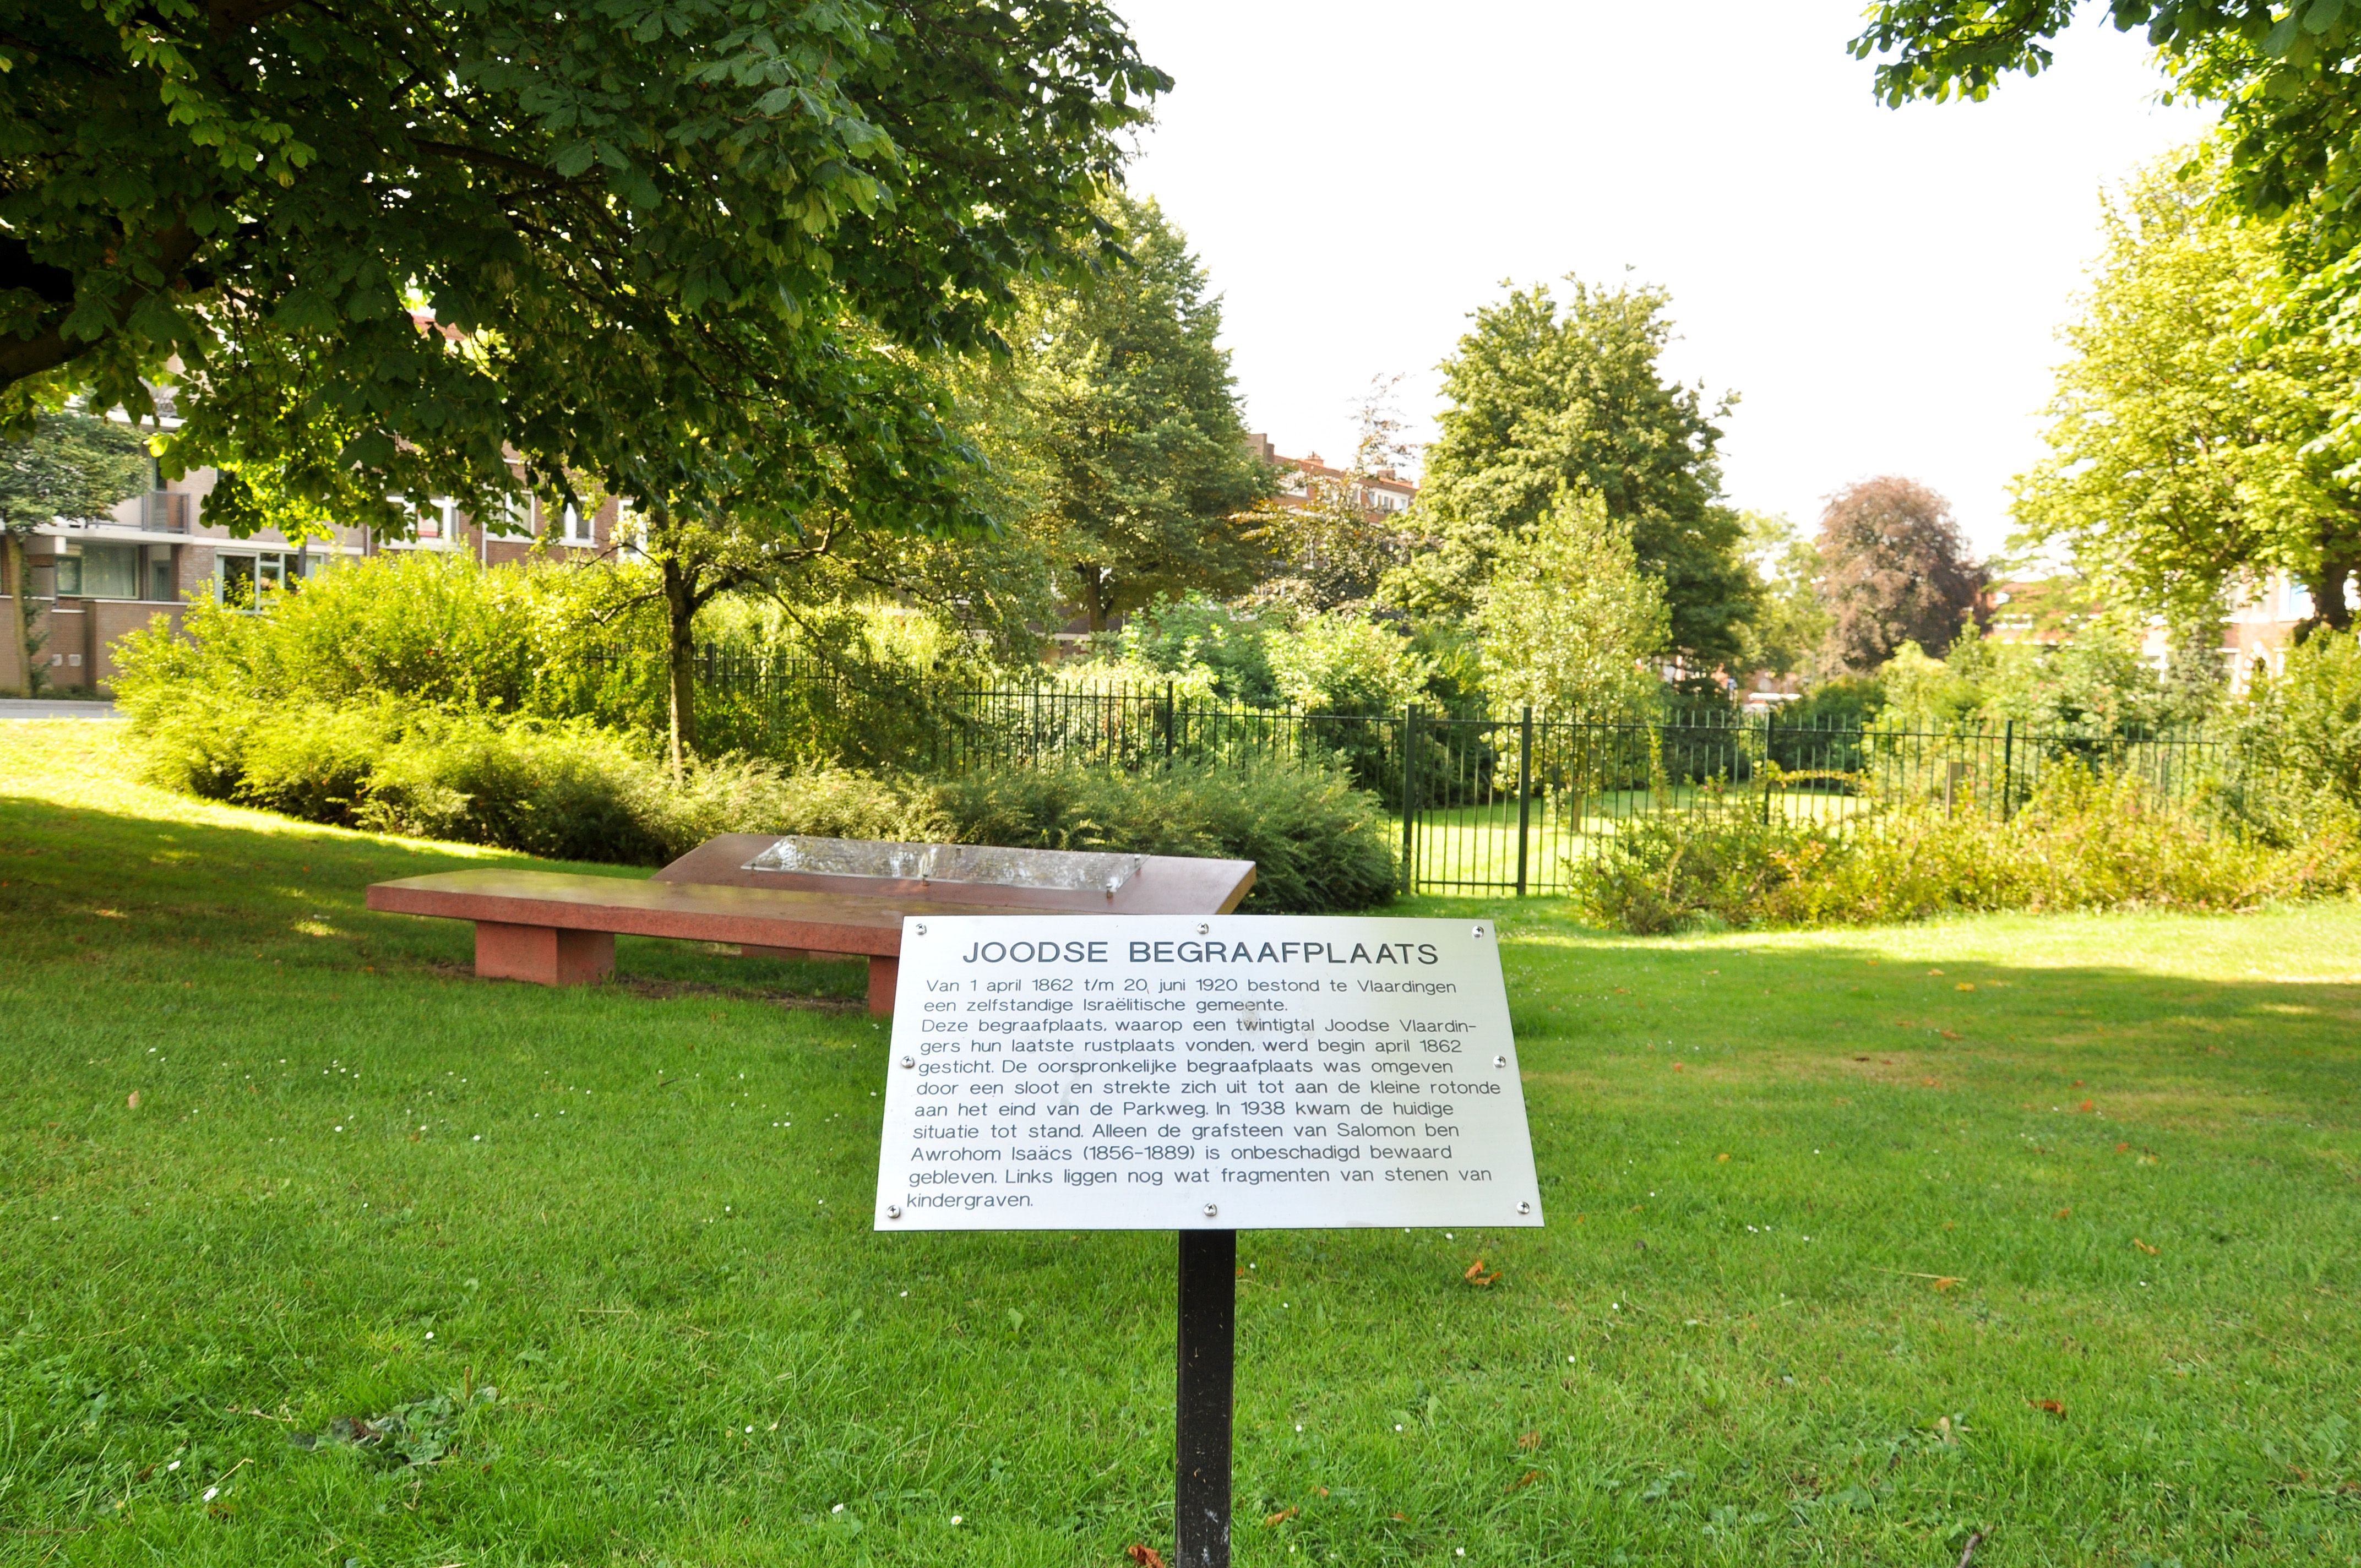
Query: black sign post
(1011, 1030)
(1200, 1414)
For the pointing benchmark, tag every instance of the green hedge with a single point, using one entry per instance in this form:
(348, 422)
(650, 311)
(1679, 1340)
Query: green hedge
(1317, 842)
(570, 791)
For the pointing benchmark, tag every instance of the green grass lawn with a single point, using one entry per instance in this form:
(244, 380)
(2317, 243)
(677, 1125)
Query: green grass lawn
(1859, 1244)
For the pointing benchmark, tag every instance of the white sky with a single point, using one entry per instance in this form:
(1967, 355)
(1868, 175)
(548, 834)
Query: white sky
(1881, 286)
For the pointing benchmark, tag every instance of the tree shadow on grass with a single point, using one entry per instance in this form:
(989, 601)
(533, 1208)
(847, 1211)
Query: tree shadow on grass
(145, 894)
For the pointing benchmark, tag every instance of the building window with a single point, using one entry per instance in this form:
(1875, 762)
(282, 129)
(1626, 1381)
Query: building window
(577, 527)
(247, 582)
(91, 570)
(160, 572)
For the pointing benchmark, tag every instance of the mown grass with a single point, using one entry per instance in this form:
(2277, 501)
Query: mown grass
(1829, 1231)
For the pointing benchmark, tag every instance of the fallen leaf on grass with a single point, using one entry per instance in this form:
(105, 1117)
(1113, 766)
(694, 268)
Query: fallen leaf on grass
(2086, 1106)
(2066, 1211)
(1722, 1160)
(2051, 1406)
(1965, 985)
(1475, 1275)
(1680, 1067)
(1146, 1556)
(1530, 1440)
(1945, 1282)
(1521, 1482)
(2123, 1148)
(1281, 1517)
(131, 1100)
(1947, 1034)
(1402, 1517)
(2144, 1246)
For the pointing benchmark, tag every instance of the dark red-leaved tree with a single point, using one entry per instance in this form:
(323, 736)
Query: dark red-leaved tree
(1897, 571)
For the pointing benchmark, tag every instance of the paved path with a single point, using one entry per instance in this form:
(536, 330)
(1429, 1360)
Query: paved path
(43, 708)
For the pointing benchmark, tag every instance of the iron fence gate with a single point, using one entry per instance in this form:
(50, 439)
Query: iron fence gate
(1481, 804)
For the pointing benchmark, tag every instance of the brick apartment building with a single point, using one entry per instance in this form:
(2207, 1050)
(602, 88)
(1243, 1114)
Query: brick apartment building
(1383, 491)
(2257, 631)
(92, 582)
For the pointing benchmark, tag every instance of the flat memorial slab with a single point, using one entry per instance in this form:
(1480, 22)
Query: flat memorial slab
(983, 878)
(1236, 1072)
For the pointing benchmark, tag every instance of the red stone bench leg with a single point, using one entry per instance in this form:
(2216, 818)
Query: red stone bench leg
(883, 974)
(542, 955)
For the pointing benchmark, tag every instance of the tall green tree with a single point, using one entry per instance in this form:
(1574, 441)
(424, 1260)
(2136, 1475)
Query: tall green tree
(2188, 452)
(1142, 473)
(1567, 619)
(69, 465)
(1546, 397)
(638, 224)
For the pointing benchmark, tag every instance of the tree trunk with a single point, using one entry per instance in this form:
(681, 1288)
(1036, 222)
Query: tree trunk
(2328, 605)
(680, 616)
(1093, 596)
(21, 615)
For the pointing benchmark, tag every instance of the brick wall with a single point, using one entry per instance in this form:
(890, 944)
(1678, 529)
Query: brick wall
(79, 651)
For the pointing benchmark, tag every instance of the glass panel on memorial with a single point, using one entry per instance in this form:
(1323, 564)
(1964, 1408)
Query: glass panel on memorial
(1053, 870)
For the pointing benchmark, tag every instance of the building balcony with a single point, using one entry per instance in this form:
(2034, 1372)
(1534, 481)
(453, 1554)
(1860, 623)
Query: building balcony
(164, 512)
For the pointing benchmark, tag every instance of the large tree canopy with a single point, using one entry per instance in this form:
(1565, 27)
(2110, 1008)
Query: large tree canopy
(2284, 70)
(2187, 449)
(1545, 399)
(665, 238)
(1131, 429)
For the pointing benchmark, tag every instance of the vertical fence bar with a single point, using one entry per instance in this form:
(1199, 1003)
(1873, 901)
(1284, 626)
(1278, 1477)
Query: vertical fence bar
(1409, 797)
(2009, 773)
(1524, 794)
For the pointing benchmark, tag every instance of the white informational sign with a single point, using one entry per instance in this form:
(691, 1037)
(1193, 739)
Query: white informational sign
(1174, 1072)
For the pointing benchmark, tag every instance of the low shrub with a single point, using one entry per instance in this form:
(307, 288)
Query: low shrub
(2080, 842)
(1318, 844)
(570, 791)
(2293, 774)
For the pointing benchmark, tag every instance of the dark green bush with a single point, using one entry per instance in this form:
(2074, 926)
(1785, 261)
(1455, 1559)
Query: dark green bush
(1317, 843)
(570, 791)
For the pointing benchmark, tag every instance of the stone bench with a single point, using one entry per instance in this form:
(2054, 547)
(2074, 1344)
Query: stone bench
(795, 897)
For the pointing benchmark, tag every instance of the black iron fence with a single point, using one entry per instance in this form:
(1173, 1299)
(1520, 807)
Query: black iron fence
(1484, 803)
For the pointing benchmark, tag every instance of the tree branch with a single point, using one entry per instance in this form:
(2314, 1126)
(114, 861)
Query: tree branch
(45, 349)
